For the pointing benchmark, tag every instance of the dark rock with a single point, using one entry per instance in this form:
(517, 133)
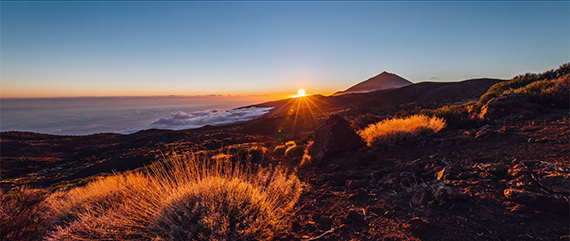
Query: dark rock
(557, 183)
(335, 136)
(498, 169)
(421, 197)
(354, 184)
(325, 222)
(360, 197)
(541, 201)
(354, 217)
(510, 107)
(336, 179)
(418, 225)
(449, 172)
(443, 194)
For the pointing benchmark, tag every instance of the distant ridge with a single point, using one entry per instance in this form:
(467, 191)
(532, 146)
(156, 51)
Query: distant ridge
(382, 81)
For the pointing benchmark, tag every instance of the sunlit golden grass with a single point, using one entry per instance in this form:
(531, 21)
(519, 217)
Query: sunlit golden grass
(182, 198)
(22, 214)
(393, 131)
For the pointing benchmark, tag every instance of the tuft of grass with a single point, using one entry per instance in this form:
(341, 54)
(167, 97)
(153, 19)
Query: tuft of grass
(182, 198)
(216, 208)
(295, 151)
(397, 130)
(254, 154)
(280, 150)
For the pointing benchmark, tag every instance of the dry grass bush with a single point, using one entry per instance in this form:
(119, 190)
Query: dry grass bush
(22, 214)
(280, 150)
(306, 157)
(295, 151)
(115, 207)
(216, 208)
(522, 81)
(552, 92)
(182, 198)
(364, 120)
(254, 154)
(397, 130)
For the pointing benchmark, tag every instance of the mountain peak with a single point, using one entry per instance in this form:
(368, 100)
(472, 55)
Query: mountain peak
(382, 81)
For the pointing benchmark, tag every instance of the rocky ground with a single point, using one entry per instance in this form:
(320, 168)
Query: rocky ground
(496, 182)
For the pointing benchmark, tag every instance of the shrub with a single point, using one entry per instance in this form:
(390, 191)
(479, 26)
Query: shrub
(364, 120)
(397, 130)
(295, 151)
(22, 214)
(114, 207)
(222, 199)
(280, 150)
(521, 81)
(548, 92)
(254, 154)
(456, 116)
(216, 208)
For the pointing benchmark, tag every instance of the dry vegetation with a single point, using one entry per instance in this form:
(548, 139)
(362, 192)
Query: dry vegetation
(182, 198)
(22, 214)
(397, 130)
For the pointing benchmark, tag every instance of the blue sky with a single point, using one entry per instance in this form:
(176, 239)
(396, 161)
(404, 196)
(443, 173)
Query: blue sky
(53, 49)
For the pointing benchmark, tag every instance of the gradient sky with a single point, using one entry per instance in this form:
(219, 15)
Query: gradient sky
(55, 49)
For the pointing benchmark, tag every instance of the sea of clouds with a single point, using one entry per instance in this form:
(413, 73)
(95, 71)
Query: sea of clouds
(182, 120)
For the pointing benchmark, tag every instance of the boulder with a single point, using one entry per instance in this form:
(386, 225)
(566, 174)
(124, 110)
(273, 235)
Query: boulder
(334, 137)
(510, 107)
(553, 203)
(360, 197)
(558, 183)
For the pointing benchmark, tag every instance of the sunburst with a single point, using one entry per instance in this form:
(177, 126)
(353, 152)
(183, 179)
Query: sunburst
(298, 106)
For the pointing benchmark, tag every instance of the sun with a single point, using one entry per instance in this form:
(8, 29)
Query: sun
(300, 93)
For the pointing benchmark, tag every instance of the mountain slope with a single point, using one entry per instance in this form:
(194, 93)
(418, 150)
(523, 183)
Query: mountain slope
(382, 81)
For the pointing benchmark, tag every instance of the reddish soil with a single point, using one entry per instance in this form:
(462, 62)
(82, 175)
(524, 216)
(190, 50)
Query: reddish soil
(448, 186)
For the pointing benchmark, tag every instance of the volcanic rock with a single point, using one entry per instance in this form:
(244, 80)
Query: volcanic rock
(558, 183)
(510, 107)
(418, 224)
(546, 202)
(334, 137)
(354, 217)
(360, 197)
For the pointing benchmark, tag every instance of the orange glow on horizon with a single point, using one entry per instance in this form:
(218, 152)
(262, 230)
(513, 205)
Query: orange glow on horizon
(300, 93)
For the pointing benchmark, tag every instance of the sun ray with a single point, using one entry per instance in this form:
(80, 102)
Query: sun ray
(283, 106)
(296, 114)
(316, 106)
(310, 109)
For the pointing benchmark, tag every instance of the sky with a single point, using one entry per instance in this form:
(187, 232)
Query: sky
(273, 48)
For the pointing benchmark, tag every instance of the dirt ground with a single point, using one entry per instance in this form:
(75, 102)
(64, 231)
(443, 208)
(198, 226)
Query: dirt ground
(497, 182)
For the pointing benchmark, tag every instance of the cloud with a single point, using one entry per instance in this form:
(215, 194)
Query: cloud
(182, 120)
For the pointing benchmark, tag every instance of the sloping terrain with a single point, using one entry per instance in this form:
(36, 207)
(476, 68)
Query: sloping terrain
(381, 81)
(450, 186)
